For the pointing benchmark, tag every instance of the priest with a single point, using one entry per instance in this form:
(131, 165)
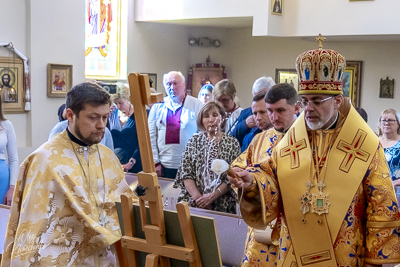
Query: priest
(63, 211)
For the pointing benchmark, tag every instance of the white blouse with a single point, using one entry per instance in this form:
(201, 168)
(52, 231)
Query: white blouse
(8, 146)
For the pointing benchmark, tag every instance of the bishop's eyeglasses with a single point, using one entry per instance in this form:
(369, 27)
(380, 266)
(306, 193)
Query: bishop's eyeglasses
(315, 103)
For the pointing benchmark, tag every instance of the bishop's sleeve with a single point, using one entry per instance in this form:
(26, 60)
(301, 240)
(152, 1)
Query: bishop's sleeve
(259, 210)
(383, 218)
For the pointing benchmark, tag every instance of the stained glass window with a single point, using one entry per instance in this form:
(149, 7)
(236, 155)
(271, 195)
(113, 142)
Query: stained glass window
(106, 39)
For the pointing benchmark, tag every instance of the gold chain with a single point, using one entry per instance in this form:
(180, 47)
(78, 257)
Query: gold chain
(80, 150)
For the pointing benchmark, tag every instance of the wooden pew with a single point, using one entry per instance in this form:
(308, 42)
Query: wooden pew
(231, 234)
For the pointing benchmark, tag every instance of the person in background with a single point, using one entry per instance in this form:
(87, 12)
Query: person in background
(225, 93)
(8, 159)
(200, 186)
(205, 93)
(389, 136)
(121, 100)
(61, 113)
(171, 124)
(362, 113)
(126, 145)
(63, 212)
(246, 122)
(260, 114)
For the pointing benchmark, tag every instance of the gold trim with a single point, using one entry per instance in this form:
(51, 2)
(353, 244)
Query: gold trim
(383, 224)
(315, 257)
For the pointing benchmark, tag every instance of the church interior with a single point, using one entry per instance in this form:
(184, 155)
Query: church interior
(251, 41)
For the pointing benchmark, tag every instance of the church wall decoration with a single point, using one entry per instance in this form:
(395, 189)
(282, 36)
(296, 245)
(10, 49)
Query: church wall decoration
(152, 79)
(14, 81)
(12, 84)
(386, 89)
(276, 7)
(352, 81)
(287, 76)
(203, 73)
(59, 79)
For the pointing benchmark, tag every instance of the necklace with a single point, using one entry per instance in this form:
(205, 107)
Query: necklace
(319, 202)
(90, 150)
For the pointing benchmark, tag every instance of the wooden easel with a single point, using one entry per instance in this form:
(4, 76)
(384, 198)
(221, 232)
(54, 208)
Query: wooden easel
(155, 236)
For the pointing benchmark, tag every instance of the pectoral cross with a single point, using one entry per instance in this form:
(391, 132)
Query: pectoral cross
(103, 221)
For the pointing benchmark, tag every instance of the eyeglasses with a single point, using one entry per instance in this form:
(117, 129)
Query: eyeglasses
(316, 103)
(387, 121)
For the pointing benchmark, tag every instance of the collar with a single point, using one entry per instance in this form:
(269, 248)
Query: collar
(75, 139)
(233, 109)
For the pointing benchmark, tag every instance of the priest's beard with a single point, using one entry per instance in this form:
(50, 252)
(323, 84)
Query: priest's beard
(322, 122)
(91, 140)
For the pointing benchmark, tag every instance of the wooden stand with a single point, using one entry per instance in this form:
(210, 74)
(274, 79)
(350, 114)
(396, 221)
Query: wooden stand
(155, 238)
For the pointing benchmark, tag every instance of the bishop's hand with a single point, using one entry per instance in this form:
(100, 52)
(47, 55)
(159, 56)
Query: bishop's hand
(239, 177)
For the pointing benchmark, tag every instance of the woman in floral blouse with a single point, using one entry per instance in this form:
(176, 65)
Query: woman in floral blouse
(200, 186)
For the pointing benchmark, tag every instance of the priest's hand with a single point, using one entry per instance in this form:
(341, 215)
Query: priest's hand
(243, 178)
(9, 195)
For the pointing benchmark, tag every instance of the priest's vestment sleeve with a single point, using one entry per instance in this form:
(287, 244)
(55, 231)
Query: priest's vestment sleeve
(56, 211)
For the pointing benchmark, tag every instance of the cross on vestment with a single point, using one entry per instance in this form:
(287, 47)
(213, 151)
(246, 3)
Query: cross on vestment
(353, 151)
(293, 149)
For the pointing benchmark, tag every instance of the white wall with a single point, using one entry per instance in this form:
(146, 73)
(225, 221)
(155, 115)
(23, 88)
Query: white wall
(58, 37)
(46, 31)
(300, 17)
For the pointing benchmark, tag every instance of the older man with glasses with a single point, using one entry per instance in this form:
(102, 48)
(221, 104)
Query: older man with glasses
(327, 182)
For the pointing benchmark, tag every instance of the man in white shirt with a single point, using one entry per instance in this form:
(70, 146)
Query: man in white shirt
(171, 124)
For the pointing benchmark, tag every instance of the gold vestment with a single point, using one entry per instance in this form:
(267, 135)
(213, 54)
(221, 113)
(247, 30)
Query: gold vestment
(62, 193)
(258, 152)
(369, 230)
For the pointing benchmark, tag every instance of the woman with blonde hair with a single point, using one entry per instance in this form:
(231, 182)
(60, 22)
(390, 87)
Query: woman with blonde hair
(125, 139)
(389, 136)
(8, 154)
(225, 93)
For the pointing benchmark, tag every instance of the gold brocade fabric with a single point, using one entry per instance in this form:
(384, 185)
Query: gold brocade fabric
(56, 210)
(258, 152)
(370, 231)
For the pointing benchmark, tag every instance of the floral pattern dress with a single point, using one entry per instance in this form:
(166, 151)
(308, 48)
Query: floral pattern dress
(196, 165)
(392, 155)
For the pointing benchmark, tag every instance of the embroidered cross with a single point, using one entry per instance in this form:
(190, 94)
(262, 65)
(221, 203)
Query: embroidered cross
(293, 149)
(353, 151)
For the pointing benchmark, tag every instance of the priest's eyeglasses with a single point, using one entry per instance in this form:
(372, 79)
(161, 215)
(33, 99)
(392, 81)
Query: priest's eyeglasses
(389, 121)
(316, 103)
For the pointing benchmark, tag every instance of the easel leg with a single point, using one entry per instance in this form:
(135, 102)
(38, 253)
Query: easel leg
(152, 260)
(121, 254)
